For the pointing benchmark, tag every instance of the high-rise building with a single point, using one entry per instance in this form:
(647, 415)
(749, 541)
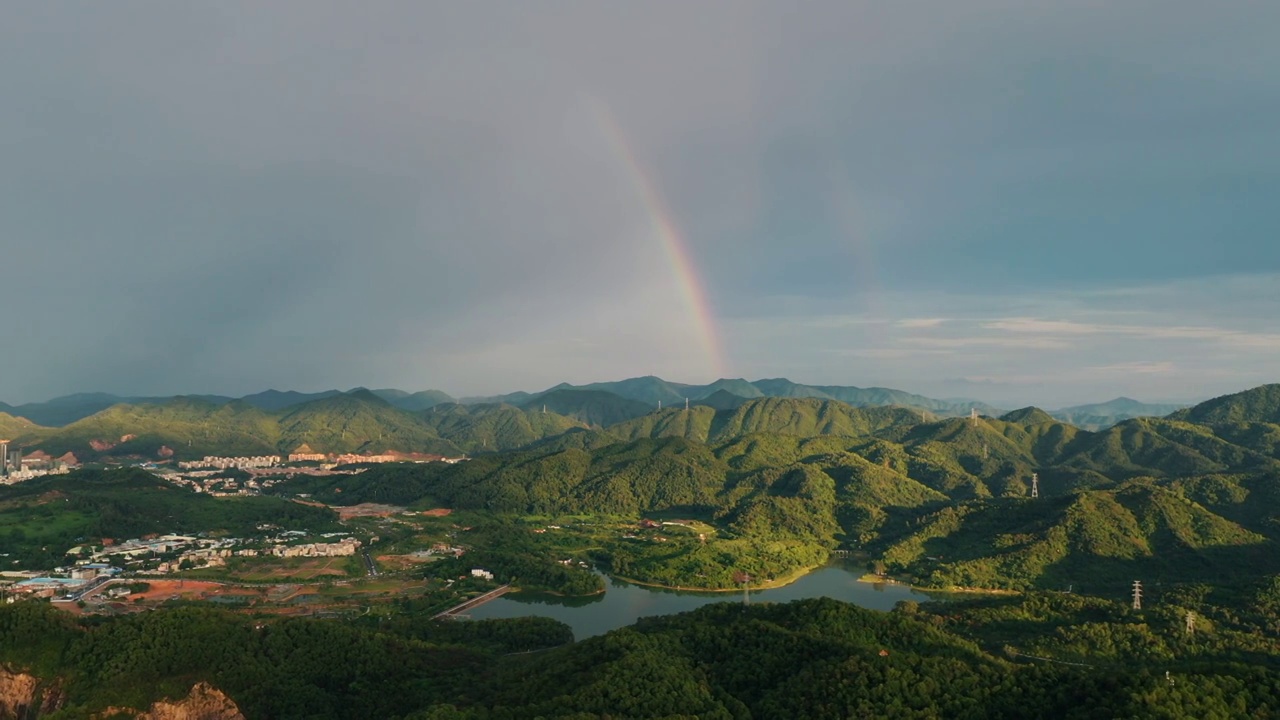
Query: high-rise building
(4, 458)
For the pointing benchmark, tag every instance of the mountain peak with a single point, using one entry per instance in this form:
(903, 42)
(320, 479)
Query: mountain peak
(1029, 415)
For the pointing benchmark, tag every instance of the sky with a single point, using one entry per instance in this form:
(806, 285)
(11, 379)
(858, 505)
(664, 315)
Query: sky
(1016, 201)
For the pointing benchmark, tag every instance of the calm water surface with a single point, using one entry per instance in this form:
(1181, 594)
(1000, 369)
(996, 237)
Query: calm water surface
(624, 603)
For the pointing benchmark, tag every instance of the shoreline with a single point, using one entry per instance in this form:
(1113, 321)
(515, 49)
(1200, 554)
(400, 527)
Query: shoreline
(885, 580)
(771, 585)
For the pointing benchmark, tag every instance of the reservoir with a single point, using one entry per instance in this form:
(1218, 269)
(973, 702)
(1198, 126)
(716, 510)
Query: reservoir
(623, 603)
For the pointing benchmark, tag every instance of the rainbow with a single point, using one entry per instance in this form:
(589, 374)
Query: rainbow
(692, 290)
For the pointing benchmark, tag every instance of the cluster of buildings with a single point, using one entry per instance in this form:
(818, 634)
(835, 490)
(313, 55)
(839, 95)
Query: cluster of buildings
(206, 481)
(238, 463)
(164, 554)
(15, 467)
(440, 549)
(342, 548)
(304, 454)
(68, 583)
(352, 458)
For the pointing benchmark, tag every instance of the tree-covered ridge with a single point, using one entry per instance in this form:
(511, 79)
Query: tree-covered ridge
(341, 423)
(1258, 405)
(479, 428)
(1040, 655)
(1091, 540)
(944, 502)
(11, 427)
(802, 417)
(595, 408)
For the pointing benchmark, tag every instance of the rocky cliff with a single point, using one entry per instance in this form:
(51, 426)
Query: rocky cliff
(21, 696)
(204, 702)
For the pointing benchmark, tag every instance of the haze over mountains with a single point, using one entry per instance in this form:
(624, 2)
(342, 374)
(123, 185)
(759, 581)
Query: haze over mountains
(365, 421)
(604, 403)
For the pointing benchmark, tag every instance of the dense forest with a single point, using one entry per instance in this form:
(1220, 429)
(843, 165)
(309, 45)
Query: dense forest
(1039, 655)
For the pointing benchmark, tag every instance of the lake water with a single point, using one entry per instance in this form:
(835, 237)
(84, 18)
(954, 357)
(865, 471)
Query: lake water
(623, 603)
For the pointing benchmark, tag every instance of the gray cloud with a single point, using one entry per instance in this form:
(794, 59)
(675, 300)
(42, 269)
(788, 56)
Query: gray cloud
(224, 197)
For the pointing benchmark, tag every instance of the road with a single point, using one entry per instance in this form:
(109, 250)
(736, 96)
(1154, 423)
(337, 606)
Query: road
(368, 561)
(89, 588)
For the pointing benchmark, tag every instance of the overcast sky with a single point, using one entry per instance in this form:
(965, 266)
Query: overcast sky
(1023, 202)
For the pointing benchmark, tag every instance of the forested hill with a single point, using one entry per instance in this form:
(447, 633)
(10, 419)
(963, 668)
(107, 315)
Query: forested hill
(11, 427)
(801, 417)
(593, 407)
(1060, 656)
(946, 502)
(654, 391)
(1226, 432)
(342, 423)
(1259, 405)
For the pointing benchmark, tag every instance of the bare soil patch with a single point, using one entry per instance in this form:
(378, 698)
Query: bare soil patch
(366, 510)
(162, 590)
(296, 569)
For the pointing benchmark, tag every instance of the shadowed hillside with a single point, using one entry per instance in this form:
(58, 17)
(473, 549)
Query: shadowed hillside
(593, 407)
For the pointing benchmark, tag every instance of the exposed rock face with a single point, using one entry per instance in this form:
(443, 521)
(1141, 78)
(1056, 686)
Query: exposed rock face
(101, 445)
(21, 693)
(204, 702)
(17, 692)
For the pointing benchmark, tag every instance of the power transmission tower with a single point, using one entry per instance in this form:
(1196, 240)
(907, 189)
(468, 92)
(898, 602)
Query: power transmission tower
(1191, 623)
(973, 416)
(686, 403)
(1137, 594)
(1035, 485)
(986, 451)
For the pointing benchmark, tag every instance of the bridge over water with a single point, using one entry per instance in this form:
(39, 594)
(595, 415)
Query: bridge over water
(473, 602)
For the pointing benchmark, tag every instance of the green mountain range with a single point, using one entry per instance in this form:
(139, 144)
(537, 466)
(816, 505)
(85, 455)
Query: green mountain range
(945, 502)
(942, 500)
(606, 403)
(355, 422)
(481, 428)
(1103, 415)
